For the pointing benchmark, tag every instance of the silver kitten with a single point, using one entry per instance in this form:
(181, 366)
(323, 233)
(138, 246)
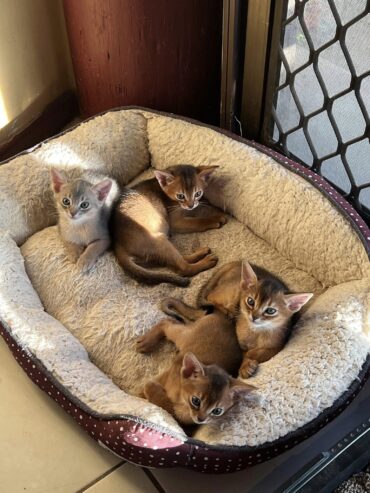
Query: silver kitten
(83, 217)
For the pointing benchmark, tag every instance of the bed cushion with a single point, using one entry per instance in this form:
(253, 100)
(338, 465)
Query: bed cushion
(283, 219)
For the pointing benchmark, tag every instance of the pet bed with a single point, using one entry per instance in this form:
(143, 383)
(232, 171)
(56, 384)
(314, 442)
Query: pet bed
(60, 323)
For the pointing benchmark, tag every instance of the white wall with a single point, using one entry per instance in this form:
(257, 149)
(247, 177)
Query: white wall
(35, 64)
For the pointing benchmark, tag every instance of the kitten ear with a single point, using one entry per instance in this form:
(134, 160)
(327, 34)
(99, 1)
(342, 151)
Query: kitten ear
(191, 367)
(163, 178)
(205, 172)
(248, 277)
(296, 301)
(102, 188)
(57, 179)
(240, 389)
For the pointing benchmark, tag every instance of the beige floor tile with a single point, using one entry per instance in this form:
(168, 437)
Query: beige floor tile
(125, 479)
(42, 449)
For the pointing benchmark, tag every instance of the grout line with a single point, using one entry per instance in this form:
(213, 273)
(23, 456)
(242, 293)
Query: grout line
(153, 480)
(102, 476)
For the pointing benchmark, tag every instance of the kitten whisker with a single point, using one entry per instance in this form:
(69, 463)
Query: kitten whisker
(172, 208)
(205, 205)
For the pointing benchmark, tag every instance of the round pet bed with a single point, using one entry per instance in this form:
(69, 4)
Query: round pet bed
(64, 326)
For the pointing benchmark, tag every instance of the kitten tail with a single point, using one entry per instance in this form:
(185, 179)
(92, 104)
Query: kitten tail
(145, 275)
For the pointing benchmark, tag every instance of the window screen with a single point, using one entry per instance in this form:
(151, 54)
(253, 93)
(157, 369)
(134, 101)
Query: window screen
(321, 100)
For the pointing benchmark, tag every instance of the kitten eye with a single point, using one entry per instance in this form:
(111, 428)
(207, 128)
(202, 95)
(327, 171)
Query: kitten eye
(180, 196)
(66, 202)
(195, 401)
(198, 194)
(250, 302)
(270, 311)
(84, 205)
(217, 411)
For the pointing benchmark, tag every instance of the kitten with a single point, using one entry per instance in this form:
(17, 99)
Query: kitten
(197, 388)
(262, 305)
(83, 217)
(147, 213)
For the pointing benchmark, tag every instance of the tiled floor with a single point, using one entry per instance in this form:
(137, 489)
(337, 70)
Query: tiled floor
(125, 479)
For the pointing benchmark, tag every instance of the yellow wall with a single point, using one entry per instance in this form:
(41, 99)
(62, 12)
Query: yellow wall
(35, 64)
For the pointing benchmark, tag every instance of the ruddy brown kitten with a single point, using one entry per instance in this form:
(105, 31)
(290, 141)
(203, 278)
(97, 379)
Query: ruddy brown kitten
(197, 388)
(147, 213)
(83, 217)
(262, 305)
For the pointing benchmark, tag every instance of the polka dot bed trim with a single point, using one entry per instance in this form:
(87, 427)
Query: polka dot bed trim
(138, 442)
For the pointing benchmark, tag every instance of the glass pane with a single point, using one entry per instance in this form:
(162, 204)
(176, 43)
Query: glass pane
(286, 110)
(308, 90)
(282, 75)
(276, 134)
(346, 14)
(320, 22)
(357, 42)
(322, 134)
(358, 158)
(296, 49)
(365, 197)
(327, 74)
(290, 9)
(334, 69)
(334, 170)
(348, 117)
(298, 146)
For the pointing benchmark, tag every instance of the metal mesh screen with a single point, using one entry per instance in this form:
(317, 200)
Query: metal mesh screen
(321, 107)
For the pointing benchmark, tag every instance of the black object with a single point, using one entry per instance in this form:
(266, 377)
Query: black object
(328, 470)
(276, 131)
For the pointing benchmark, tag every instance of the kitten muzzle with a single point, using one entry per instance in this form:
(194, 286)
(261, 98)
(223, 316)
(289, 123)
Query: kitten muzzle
(188, 207)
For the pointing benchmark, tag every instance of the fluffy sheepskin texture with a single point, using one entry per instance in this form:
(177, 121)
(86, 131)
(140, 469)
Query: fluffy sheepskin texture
(278, 222)
(114, 145)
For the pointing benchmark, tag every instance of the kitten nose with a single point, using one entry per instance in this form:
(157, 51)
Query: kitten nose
(254, 318)
(200, 420)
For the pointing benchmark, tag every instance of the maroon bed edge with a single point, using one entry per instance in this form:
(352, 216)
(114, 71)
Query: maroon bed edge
(141, 443)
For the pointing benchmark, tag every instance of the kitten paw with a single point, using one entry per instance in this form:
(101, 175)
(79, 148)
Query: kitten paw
(197, 255)
(145, 345)
(219, 221)
(248, 368)
(200, 253)
(210, 260)
(85, 264)
(222, 220)
(204, 251)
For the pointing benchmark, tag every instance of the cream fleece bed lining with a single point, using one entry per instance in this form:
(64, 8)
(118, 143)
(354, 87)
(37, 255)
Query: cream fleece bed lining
(323, 357)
